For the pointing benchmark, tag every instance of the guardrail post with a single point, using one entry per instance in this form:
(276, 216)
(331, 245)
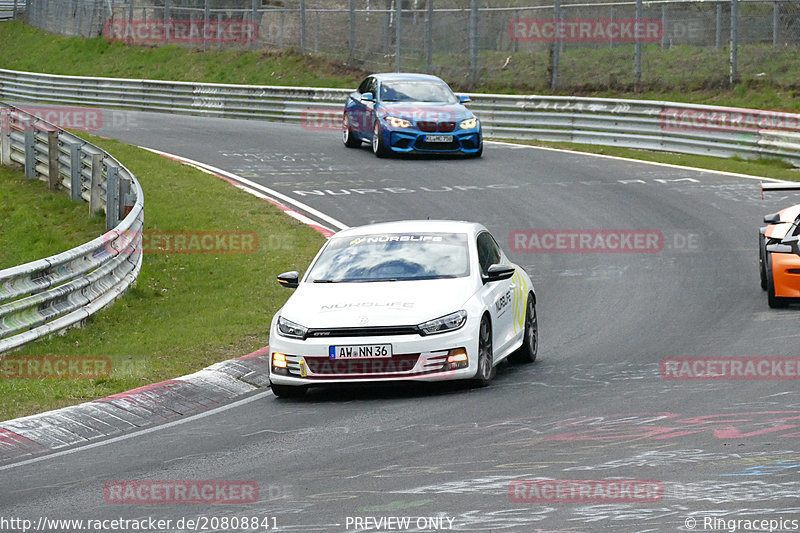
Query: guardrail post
(112, 197)
(5, 136)
(125, 198)
(30, 152)
(53, 172)
(95, 190)
(75, 177)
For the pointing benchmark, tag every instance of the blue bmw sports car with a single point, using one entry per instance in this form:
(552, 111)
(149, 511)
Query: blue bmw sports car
(403, 113)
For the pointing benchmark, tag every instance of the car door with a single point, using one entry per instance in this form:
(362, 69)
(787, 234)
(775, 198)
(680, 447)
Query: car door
(368, 117)
(355, 107)
(498, 296)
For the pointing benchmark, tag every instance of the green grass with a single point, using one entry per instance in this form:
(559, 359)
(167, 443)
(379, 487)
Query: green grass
(36, 222)
(764, 167)
(682, 73)
(186, 311)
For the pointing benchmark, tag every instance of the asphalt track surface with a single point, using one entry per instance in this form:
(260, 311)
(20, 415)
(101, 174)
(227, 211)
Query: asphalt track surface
(594, 406)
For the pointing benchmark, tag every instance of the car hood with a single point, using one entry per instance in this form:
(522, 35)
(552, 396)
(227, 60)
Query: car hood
(391, 303)
(426, 111)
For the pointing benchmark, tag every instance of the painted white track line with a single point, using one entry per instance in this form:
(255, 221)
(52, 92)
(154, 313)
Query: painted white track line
(263, 192)
(655, 163)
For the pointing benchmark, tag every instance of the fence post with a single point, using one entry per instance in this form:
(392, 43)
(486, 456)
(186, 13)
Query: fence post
(637, 56)
(351, 41)
(316, 32)
(398, 32)
(718, 41)
(206, 20)
(663, 26)
(256, 29)
(112, 197)
(95, 190)
(302, 26)
(613, 18)
(30, 152)
(14, 13)
(429, 38)
(166, 10)
(775, 24)
(555, 48)
(473, 42)
(75, 176)
(734, 73)
(53, 172)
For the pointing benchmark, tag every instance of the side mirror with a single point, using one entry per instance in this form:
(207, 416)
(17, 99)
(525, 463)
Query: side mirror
(367, 97)
(499, 272)
(774, 218)
(290, 280)
(463, 98)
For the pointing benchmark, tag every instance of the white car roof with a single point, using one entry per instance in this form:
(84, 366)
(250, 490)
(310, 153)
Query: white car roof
(415, 226)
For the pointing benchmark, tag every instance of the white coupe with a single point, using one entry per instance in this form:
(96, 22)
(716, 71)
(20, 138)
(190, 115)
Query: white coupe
(413, 300)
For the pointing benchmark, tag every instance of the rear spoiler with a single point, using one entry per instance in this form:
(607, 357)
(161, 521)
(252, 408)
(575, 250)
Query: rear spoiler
(781, 186)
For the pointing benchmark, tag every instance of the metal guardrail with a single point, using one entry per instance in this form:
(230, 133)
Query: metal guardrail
(7, 8)
(650, 125)
(48, 295)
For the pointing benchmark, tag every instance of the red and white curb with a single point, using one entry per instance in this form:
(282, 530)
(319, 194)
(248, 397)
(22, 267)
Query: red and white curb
(145, 406)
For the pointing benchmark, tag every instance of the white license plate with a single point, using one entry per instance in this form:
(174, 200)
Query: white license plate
(439, 138)
(360, 351)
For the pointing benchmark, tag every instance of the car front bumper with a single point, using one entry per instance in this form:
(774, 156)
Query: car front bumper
(410, 140)
(786, 274)
(415, 358)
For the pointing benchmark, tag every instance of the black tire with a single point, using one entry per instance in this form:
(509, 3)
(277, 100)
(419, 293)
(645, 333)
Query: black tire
(530, 343)
(762, 254)
(378, 148)
(349, 137)
(775, 302)
(479, 153)
(486, 369)
(288, 391)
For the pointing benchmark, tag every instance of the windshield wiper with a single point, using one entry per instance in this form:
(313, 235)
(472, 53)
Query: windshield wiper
(326, 281)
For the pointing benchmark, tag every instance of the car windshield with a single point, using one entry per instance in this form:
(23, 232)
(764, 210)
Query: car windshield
(417, 91)
(392, 257)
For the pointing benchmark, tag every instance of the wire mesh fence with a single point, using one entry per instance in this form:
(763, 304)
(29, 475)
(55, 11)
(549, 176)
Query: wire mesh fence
(499, 45)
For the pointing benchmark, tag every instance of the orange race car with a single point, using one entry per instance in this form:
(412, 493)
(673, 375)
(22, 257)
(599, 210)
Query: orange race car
(779, 252)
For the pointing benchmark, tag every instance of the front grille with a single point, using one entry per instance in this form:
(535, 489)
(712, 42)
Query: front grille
(427, 126)
(430, 126)
(374, 331)
(397, 364)
(447, 127)
(439, 147)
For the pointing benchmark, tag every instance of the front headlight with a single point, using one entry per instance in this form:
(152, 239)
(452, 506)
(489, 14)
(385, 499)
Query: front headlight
(287, 328)
(450, 322)
(469, 123)
(397, 122)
